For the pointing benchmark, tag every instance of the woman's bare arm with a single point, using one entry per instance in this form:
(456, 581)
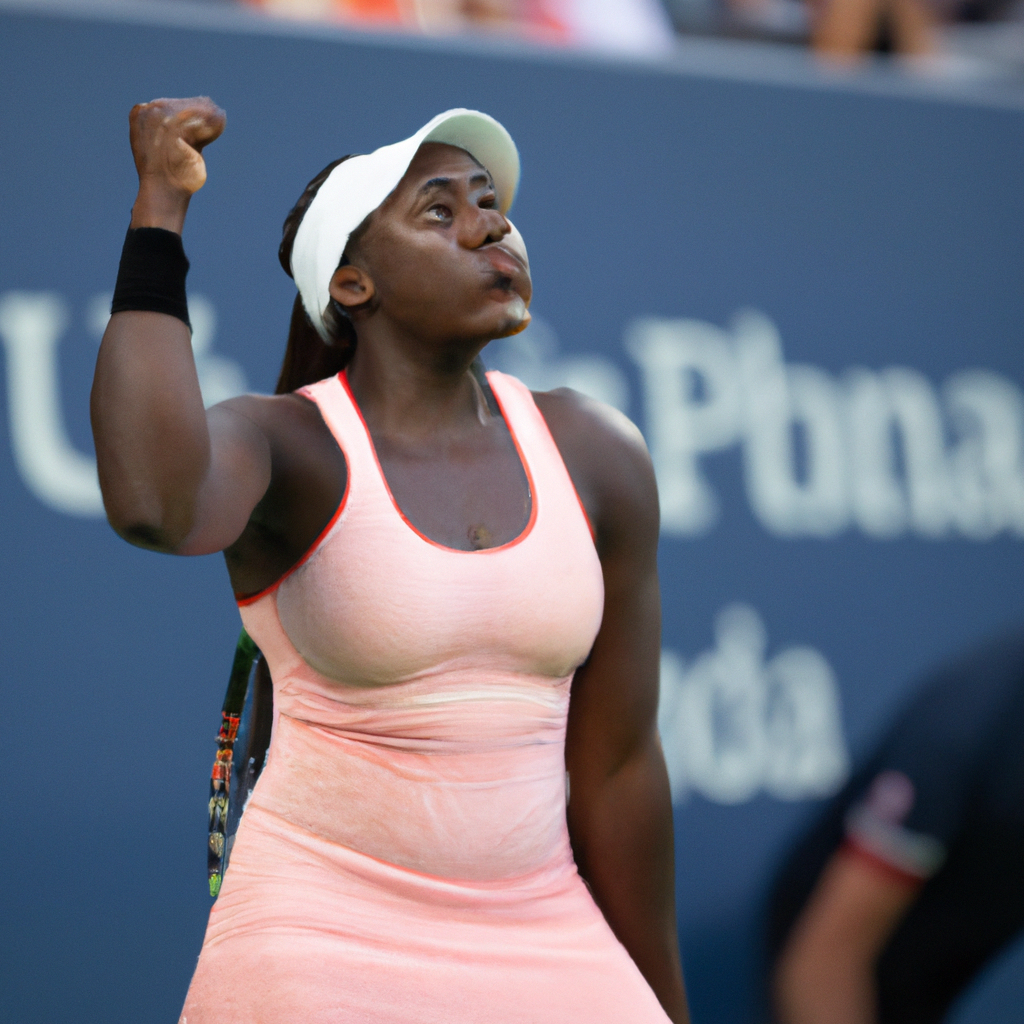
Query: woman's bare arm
(173, 477)
(620, 808)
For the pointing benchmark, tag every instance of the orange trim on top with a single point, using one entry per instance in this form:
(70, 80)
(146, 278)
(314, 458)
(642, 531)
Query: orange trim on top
(242, 602)
(527, 530)
(586, 518)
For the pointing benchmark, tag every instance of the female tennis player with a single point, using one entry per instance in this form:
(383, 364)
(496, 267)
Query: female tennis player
(431, 560)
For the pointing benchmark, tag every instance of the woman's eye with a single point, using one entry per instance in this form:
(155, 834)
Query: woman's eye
(439, 213)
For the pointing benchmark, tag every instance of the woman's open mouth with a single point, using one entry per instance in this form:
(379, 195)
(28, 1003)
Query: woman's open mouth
(504, 262)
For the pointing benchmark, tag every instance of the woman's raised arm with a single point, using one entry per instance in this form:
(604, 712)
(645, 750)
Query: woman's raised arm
(174, 477)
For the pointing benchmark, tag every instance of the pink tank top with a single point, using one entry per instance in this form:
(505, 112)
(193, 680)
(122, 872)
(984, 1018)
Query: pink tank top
(421, 692)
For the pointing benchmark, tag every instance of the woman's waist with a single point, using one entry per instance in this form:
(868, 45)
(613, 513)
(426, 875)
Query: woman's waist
(469, 812)
(446, 709)
(283, 878)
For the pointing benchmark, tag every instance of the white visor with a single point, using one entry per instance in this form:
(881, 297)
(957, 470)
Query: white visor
(355, 188)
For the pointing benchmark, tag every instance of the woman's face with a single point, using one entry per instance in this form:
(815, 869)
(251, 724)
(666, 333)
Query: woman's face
(445, 264)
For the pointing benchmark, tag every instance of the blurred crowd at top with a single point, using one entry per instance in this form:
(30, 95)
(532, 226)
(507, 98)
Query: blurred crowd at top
(960, 38)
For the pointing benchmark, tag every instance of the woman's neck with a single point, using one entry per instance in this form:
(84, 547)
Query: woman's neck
(413, 392)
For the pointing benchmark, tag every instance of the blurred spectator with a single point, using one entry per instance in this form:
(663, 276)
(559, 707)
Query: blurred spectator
(841, 30)
(638, 26)
(950, 38)
(914, 877)
(844, 29)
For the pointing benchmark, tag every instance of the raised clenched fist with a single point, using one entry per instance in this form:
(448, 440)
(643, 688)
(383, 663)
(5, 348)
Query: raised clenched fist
(168, 137)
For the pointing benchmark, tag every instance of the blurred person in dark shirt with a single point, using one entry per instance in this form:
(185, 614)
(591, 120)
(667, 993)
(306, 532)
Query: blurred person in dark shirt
(913, 879)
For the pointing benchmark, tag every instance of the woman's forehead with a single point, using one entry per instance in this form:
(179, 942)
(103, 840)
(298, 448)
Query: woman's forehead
(438, 159)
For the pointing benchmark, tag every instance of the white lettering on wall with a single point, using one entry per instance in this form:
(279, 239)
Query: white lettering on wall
(693, 403)
(31, 327)
(734, 725)
(781, 404)
(987, 464)
(879, 450)
(533, 357)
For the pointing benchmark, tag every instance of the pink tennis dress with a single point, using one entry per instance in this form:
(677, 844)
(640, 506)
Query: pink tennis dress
(404, 858)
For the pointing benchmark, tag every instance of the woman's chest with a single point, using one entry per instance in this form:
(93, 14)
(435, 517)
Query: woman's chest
(376, 606)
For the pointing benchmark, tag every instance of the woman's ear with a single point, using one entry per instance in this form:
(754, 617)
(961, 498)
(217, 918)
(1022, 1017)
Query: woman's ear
(352, 287)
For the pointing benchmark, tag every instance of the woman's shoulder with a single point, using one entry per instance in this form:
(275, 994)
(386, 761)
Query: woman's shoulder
(304, 452)
(607, 459)
(278, 414)
(308, 480)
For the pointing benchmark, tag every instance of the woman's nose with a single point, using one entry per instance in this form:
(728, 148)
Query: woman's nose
(487, 226)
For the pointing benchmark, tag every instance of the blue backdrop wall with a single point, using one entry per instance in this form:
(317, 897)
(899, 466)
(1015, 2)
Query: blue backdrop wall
(807, 295)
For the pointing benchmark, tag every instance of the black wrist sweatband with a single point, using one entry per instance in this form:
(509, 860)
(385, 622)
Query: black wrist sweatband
(152, 274)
